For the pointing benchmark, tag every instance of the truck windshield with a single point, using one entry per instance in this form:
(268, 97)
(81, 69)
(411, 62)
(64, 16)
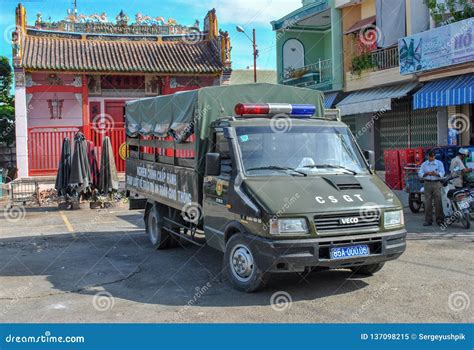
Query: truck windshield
(311, 150)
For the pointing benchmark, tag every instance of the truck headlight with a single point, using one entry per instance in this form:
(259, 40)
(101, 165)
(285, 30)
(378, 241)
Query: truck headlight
(393, 218)
(288, 226)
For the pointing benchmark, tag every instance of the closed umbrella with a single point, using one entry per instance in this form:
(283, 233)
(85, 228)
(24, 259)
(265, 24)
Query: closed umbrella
(93, 164)
(64, 168)
(80, 178)
(108, 178)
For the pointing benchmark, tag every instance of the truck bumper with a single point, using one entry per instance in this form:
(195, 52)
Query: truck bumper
(300, 254)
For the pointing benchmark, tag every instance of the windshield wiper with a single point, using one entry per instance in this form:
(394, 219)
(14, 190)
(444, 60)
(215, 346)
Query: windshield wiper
(274, 167)
(330, 166)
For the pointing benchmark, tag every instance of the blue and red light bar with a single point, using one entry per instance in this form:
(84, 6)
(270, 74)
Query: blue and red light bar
(296, 110)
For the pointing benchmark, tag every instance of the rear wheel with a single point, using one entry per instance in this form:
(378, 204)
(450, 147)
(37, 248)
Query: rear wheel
(159, 238)
(367, 269)
(466, 220)
(241, 267)
(415, 203)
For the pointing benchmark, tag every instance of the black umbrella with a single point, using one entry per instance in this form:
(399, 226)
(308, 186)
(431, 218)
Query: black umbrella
(64, 168)
(80, 178)
(108, 178)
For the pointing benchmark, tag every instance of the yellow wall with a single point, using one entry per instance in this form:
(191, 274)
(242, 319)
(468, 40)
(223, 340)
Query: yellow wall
(350, 15)
(367, 8)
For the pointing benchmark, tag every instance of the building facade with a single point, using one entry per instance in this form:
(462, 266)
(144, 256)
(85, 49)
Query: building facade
(76, 75)
(363, 40)
(309, 48)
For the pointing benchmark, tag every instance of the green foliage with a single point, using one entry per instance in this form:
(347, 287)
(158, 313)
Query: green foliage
(7, 110)
(6, 78)
(450, 11)
(362, 62)
(7, 124)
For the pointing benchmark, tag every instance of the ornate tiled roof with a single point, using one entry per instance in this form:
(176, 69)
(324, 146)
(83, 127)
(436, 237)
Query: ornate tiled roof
(146, 46)
(51, 53)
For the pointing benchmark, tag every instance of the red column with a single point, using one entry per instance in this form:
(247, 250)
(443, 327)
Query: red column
(85, 108)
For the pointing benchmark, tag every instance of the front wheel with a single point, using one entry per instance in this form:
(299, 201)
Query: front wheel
(367, 269)
(241, 267)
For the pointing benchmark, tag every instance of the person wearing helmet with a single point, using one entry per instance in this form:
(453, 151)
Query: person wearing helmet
(457, 167)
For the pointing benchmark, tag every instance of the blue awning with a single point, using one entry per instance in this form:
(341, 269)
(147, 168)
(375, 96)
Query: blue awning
(445, 92)
(329, 98)
(373, 100)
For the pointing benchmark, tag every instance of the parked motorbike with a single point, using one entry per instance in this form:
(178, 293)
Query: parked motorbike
(456, 203)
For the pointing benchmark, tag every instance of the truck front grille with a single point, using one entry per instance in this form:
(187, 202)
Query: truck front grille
(347, 222)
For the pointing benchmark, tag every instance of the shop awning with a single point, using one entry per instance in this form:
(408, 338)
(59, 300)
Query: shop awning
(445, 92)
(373, 100)
(329, 98)
(363, 23)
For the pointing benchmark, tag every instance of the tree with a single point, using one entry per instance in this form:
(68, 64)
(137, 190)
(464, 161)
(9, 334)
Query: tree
(7, 110)
(450, 11)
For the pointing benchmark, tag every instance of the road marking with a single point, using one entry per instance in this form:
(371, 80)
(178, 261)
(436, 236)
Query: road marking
(66, 222)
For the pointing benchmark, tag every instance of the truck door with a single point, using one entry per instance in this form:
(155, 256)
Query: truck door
(215, 194)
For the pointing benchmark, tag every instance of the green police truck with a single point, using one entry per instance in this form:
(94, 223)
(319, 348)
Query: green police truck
(263, 174)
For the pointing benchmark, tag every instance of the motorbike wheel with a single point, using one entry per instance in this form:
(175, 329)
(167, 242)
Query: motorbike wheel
(466, 220)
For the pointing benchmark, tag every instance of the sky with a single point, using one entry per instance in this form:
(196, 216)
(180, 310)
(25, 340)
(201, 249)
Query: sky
(247, 13)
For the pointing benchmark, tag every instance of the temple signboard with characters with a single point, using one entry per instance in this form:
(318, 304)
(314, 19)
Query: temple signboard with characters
(77, 73)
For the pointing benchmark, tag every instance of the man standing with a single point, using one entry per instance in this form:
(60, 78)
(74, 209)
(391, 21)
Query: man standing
(432, 170)
(457, 167)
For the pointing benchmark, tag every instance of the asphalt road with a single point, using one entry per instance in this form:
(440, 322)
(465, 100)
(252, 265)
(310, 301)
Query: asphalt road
(97, 266)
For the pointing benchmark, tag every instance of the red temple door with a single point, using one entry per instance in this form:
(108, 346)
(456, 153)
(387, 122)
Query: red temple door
(111, 124)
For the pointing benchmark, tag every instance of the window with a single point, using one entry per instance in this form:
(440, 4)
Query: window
(222, 147)
(293, 54)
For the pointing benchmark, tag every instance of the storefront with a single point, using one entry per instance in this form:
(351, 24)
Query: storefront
(383, 118)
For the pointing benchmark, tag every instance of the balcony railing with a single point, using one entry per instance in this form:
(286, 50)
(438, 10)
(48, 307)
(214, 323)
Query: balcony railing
(385, 58)
(311, 74)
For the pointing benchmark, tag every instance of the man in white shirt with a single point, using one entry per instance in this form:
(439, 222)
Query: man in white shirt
(432, 170)
(457, 167)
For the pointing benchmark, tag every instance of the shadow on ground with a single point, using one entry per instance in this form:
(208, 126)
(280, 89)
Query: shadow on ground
(124, 265)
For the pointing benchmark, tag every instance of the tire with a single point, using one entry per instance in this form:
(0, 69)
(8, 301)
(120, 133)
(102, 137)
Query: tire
(159, 238)
(241, 267)
(367, 270)
(466, 221)
(414, 204)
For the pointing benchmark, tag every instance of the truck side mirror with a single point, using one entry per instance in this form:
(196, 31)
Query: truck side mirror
(370, 156)
(213, 164)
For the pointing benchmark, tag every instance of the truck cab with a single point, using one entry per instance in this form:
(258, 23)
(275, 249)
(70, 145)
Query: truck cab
(282, 191)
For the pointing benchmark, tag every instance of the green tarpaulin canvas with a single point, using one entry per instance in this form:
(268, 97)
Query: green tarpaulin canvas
(188, 112)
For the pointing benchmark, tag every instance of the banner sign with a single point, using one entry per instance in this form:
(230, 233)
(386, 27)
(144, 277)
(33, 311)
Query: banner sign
(232, 336)
(439, 47)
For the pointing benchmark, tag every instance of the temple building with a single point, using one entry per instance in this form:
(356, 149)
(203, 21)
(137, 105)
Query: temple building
(76, 75)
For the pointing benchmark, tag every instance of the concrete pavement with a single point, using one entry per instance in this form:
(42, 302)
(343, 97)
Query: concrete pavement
(97, 266)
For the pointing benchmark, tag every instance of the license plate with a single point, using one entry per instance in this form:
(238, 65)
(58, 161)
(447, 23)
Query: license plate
(464, 204)
(349, 252)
